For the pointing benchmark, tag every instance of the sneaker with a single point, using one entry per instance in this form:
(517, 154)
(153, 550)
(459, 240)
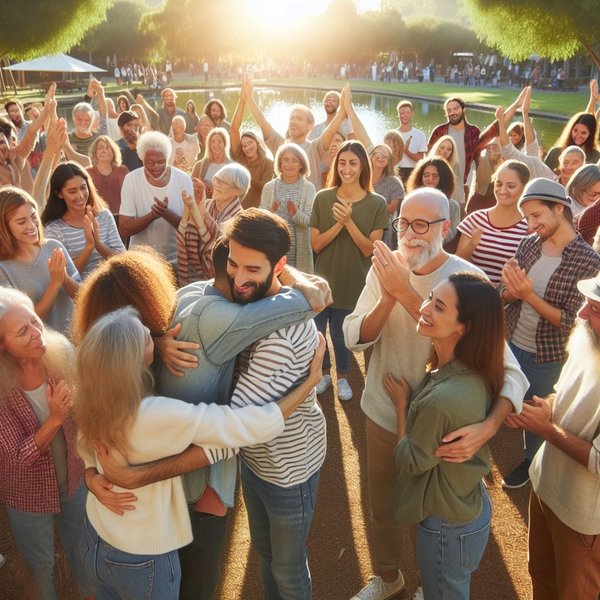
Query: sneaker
(344, 390)
(519, 477)
(323, 384)
(418, 595)
(378, 589)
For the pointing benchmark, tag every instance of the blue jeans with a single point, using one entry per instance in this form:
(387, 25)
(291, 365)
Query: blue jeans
(34, 535)
(118, 575)
(201, 560)
(542, 377)
(335, 317)
(280, 520)
(448, 553)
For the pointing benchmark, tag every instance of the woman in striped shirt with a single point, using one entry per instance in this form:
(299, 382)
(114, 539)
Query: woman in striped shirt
(490, 237)
(76, 216)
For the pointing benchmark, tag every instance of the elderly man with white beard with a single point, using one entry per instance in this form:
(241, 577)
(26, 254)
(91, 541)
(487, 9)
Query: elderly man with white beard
(564, 507)
(385, 317)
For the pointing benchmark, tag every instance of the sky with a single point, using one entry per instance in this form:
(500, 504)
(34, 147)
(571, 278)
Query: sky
(305, 7)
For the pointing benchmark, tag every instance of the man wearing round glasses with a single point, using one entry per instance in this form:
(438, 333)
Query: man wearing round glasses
(387, 320)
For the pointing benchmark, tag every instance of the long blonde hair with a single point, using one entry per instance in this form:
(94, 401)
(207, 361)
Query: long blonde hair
(58, 358)
(112, 378)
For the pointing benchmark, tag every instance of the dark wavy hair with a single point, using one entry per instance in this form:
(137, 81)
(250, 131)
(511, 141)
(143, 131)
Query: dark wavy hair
(56, 207)
(447, 178)
(586, 119)
(480, 309)
(365, 180)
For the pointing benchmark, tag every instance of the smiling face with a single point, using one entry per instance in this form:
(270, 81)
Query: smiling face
(249, 147)
(204, 126)
(155, 164)
(454, 112)
(15, 114)
(178, 127)
(405, 115)
(331, 103)
(75, 193)
(251, 276)
(104, 153)
(568, 164)
(224, 192)
(168, 98)
(439, 314)
(23, 225)
(290, 166)
(541, 218)
(380, 157)
(82, 122)
(349, 167)
(507, 187)
(299, 124)
(22, 334)
(217, 148)
(579, 134)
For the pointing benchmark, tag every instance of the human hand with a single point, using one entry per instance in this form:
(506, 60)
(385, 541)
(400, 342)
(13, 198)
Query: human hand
(139, 99)
(274, 206)
(535, 417)
(315, 372)
(391, 270)
(342, 212)
(160, 207)
(88, 231)
(475, 238)
(594, 89)
(175, 353)
(316, 290)
(526, 103)
(516, 281)
(101, 487)
(56, 136)
(59, 401)
(57, 264)
(499, 113)
(291, 208)
(398, 391)
(116, 468)
(460, 445)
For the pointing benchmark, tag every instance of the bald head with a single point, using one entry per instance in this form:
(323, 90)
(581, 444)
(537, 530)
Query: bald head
(425, 203)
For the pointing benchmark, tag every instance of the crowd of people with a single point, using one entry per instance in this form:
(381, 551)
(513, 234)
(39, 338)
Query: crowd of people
(167, 280)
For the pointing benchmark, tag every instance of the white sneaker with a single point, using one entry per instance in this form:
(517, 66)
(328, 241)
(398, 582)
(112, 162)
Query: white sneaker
(418, 595)
(324, 383)
(378, 589)
(344, 390)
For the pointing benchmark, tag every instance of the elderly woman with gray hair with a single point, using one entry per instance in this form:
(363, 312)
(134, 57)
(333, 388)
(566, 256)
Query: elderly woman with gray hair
(202, 218)
(151, 198)
(584, 188)
(291, 196)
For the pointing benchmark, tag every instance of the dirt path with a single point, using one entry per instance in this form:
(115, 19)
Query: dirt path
(339, 554)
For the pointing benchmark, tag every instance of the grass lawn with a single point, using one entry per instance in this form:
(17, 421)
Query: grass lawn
(562, 104)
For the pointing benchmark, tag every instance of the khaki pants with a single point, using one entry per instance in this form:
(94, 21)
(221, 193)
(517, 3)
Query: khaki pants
(563, 564)
(387, 532)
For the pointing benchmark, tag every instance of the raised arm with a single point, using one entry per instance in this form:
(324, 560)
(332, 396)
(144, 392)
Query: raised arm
(594, 97)
(255, 111)
(357, 127)
(236, 122)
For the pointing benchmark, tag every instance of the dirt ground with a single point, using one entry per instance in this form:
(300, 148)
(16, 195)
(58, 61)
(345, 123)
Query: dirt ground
(339, 554)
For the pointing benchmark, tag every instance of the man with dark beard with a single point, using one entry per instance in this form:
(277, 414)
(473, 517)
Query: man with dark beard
(385, 318)
(465, 135)
(331, 104)
(539, 287)
(564, 507)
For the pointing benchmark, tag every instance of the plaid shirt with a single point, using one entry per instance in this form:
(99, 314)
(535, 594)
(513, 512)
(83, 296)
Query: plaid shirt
(27, 477)
(579, 261)
(472, 142)
(588, 221)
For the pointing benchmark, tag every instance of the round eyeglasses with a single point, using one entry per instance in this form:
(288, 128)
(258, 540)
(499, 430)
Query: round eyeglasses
(419, 226)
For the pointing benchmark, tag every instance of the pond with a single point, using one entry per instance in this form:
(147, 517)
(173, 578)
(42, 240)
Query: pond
(377, 112)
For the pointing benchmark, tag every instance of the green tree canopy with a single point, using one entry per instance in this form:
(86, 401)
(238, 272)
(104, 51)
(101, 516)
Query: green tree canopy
(34, 28)
(555, 29)
(120, 34)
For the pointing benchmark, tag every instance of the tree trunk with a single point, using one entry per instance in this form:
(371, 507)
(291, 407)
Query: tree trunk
(591, 51)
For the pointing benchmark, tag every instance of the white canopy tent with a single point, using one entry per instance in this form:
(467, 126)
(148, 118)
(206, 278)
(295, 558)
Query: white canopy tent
(57, 63)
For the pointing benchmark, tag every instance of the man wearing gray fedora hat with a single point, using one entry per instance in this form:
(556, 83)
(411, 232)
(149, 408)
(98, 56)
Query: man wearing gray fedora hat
(539, 286)
(564, 509)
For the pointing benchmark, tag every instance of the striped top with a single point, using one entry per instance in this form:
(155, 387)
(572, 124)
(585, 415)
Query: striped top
(268, 370)
(73, 238)
(497, 244)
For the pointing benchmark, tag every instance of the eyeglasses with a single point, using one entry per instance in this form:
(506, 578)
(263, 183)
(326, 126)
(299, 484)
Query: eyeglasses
(419, 226)
(592, 195)
(378, 155)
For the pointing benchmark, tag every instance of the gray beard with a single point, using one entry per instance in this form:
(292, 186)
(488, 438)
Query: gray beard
(429, 250)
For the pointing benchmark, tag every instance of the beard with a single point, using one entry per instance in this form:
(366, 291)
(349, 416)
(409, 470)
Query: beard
(256, 290)
(456, 119)
(419, 252)
(585, 340)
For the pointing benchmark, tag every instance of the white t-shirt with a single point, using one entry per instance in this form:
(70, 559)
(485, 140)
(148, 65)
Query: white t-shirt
(417, 144)
(137, 198)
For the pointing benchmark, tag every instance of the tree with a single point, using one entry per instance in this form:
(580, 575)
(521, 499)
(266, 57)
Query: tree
(555, 29)
(120, 34)
(33, 28)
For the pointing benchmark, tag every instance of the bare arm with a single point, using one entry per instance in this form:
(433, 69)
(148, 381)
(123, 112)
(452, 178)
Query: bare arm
(151, 113)
(236, 123)
(319, 240)
(72, 154)
(591, 105)
(257, 114)
(56, 137)
(527, 125)
(129, 226)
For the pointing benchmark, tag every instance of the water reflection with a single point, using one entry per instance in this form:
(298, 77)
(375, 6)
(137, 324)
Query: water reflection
(376, 111)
